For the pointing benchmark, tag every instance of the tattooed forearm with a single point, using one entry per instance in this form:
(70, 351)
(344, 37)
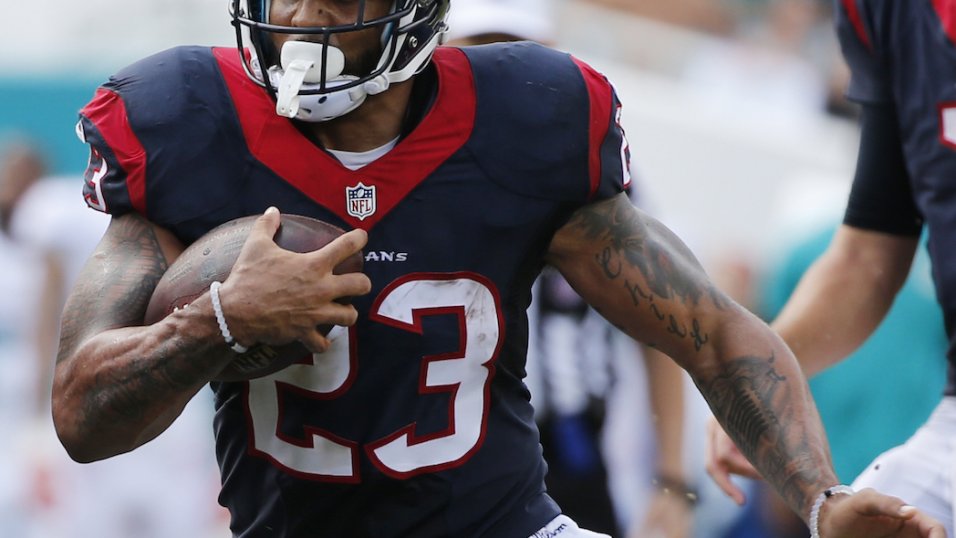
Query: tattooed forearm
(755, 404)
(647, 282)
(118, 384)
(131, 391)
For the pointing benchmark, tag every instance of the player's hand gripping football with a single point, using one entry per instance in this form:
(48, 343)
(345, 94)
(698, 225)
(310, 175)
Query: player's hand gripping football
(865, 514)
(274, 296)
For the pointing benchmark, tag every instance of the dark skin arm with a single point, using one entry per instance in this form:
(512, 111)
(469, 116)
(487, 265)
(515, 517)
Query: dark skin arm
(118, 384)
(865, 270)
(642, 278)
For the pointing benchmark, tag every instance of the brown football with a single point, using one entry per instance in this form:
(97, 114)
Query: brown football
(211, 258)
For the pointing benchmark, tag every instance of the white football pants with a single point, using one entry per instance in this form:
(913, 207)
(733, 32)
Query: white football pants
(565, 527)
(922, 471)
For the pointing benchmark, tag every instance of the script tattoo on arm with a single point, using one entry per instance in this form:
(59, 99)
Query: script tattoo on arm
(743, 370)
(650, 264)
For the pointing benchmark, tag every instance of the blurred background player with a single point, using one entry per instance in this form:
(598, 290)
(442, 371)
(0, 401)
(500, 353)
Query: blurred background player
(581, 371)
(48, 233)
(22, 284)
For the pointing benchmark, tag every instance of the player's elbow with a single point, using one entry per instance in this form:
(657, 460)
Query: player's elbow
(78, 453)
(80, 441)
(79, 449)
(83, 447)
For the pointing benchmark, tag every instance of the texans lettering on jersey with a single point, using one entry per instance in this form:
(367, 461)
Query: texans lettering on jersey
(416, 423)
(904, 53)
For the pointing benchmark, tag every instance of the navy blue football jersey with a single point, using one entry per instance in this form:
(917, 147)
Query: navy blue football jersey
(904, 53)
(416, 423)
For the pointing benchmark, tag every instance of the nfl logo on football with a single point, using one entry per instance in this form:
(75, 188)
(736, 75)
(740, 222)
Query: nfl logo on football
(360, 201)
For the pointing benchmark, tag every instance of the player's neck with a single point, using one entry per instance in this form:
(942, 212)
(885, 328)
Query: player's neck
(378, 121)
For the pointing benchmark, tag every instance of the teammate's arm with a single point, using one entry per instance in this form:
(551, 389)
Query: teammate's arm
(844, 296)
(847, 292)
(642, 278)
(118, 384)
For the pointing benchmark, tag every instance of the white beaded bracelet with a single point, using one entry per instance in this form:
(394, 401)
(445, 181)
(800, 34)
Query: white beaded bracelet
(818, 504)
(221, 318)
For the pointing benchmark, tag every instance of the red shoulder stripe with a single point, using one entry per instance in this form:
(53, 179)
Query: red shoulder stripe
(946, 9)
(853, 13)
(599, 93)
(108, 113)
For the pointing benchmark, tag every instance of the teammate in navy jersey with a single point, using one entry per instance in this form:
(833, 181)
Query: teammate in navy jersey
(461, 172)
(903, 61)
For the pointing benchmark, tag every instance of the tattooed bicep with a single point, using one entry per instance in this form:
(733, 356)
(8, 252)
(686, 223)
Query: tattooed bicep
(116, 283)
(636, 272)
(621, 230)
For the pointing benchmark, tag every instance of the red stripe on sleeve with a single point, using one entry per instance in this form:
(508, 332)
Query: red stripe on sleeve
(108, 113)
(599, 96)
(853, 13)
(947, 14)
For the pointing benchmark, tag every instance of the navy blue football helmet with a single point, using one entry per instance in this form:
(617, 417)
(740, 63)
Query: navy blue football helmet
(306, 76)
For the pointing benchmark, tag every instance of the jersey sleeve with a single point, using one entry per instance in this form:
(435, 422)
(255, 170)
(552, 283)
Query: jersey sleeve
(547, 124)
(158, 130)
(609, 156)
(114, 180)
(869, 81)
(881, 198)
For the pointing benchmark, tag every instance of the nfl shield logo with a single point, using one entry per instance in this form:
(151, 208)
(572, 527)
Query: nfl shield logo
(360, 201)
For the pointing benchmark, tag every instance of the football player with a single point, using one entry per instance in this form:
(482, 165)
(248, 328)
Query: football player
(461, 172)
(902, 56)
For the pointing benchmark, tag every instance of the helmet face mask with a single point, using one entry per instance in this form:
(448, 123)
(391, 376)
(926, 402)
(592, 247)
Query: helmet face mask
(410, 31)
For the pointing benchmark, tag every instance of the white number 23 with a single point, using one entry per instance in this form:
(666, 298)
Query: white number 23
(465, 374)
